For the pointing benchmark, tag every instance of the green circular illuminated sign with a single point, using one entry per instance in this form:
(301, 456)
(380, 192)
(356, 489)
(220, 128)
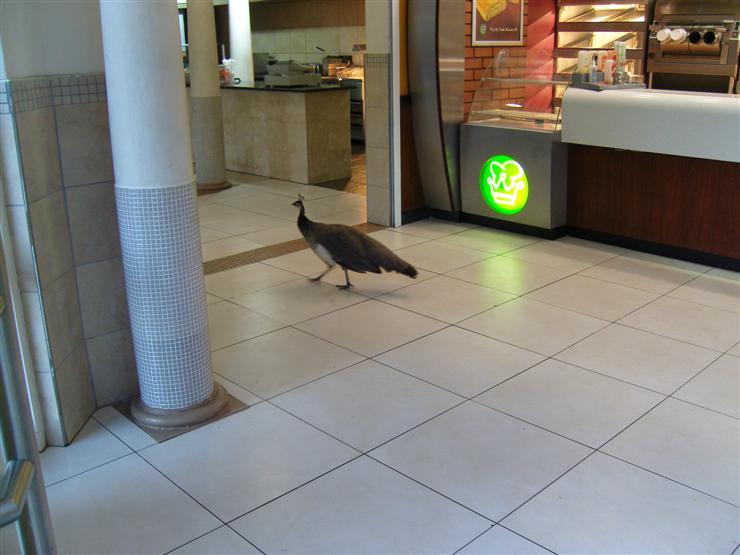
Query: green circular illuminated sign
(504, 185)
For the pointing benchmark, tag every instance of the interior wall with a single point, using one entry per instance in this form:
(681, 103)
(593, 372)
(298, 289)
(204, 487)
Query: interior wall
(57, 176)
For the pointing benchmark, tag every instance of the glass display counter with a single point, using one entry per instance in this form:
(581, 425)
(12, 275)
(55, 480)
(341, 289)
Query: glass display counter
(513, 165)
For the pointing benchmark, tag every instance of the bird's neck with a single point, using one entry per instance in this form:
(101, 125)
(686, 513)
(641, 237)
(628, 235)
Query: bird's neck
(303, 221)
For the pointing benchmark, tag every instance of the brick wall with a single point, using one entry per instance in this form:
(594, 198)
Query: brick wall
(478, 58)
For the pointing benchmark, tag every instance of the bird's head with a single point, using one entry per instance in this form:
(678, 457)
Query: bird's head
(299, 202)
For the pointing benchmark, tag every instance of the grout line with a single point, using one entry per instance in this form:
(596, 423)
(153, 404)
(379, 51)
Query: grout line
(526, 538)
(88, 469)
(475, 538)
(245, 539)
(194, 539)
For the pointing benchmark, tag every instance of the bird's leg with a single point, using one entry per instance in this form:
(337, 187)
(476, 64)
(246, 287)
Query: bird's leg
(346, 277)
(322, 274)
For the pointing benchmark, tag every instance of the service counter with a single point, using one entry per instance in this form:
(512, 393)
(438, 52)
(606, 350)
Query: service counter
(655, 170)
(299, 134)
(650, 170)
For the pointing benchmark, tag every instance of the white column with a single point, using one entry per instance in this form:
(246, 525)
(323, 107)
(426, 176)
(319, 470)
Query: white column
(205, 98)
(240, 40)
(157, 213)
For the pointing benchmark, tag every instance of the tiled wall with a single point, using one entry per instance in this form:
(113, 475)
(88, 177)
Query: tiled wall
(478, 58)
(377, 137)
(300, 44)
(58, 180)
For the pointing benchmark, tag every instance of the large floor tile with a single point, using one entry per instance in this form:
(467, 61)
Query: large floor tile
(689, 444)
(648, 272)
(304, 262)
(240, 462)
(500, 541)
(298, 300)
(336, 203)
(716, 387)
(570, 401)
(93, 446)
(362, 507)
(439, 257)
(446, 299)
(433, 229)
(510, 274)
(375, 285)
(533, 325)
(246, 397)
(279, 206)
(461, 361)
(246, 279)
(207, 235)
(350, 217)
(234, 221)
(124, 507)
(594, 297)
(371, 327)
(229, 323)
(609, 506)
(567, 253)
(123, 428)
(274, 235)
(366, 404)
(395, 240)
(276, 362)
(639, 357)
(711, 290)
(694, 323)
(492, 241)
(227, 247)
(481, 458)
(224, 540)
(734, 350)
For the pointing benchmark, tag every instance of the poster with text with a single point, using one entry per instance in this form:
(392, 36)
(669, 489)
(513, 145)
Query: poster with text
(498, 22)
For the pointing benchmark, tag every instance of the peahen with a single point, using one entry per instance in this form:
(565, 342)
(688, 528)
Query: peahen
(342, 245)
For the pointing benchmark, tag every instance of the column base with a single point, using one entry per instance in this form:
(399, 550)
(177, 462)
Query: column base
(169, 419)
(212, 187)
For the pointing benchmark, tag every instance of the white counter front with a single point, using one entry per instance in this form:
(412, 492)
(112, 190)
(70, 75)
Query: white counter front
(697, 125)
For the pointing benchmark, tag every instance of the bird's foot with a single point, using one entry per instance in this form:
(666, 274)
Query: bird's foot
(314, 280)
(345, 286)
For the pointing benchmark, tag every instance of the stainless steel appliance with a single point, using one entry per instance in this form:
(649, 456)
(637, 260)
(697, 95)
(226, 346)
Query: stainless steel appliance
(291, 74)
(693, 45)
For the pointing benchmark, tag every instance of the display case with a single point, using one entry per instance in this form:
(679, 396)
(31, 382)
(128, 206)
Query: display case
(596, 25)
(513, 165)
(519, 91)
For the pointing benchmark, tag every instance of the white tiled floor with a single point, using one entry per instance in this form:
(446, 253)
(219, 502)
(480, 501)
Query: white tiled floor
(259, 213)
(520, 396)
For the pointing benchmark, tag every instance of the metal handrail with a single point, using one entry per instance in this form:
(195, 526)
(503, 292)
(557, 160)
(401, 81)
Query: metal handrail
(22, 493)
(16, 480)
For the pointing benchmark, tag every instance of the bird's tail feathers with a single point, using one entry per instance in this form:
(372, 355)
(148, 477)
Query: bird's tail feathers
(394, 263)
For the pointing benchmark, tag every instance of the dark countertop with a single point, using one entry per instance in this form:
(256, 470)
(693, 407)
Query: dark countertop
(262, 87)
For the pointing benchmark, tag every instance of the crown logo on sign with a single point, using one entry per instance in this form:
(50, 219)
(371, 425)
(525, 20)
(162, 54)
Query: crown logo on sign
(506, 181)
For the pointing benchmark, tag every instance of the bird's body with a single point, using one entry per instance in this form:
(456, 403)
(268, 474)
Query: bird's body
(349, 248)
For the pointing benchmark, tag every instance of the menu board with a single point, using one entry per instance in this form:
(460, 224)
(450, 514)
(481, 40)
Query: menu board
(498, 22)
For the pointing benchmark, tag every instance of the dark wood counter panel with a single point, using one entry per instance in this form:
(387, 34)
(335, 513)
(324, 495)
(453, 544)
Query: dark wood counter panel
(681, 203)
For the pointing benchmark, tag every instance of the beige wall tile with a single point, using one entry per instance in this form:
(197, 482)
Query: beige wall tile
(376, 128)
(93, 222)
(39, 155)
(75, 392)
(40, 355)
(22, 250)
(377, 167)
(376, 87)
(63, 322)
(10, 168)
(50, 231)
(378, 205)
(50, 409)
(112, 367)
(102, 297)
(84, 142)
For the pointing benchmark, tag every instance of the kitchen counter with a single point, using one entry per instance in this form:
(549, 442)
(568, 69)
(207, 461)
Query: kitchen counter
(263, 87)
(291, 134)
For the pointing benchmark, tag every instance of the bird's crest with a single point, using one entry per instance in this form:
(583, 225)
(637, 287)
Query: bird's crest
(299, 202)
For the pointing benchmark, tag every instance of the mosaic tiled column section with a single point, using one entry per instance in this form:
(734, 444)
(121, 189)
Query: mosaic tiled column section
(157, 216)
(205, 92)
